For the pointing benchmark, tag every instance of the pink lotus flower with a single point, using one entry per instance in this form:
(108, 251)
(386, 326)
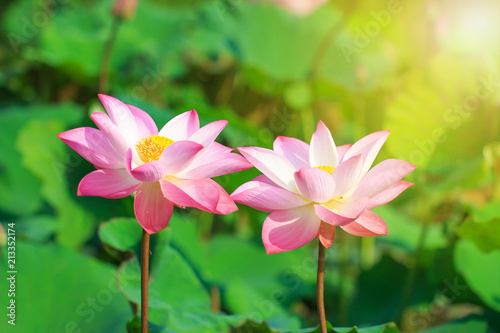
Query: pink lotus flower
(300, 7)
(166, 167)
(309, 190)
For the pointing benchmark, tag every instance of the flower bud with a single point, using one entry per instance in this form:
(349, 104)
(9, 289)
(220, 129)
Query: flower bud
(124, 9)
(299, 7)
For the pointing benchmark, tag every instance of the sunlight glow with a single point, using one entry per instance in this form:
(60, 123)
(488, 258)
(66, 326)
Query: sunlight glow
(472, 26)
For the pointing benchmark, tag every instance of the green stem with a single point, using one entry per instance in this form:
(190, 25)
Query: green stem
(326, 43)
(408, 288)
(106, 56)
(367, 252)
(144, 281)
(320, 287)
(307, 117)
(344, 272)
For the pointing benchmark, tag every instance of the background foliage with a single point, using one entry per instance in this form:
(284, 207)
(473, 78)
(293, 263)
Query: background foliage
(427, 70)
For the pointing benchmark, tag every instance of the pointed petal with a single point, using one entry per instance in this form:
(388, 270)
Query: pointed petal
(145, 124)
(93, 146)
(315, 184)
(152, 209)
(294, 150)
(182, 126)
(211, 163)
(388, 194)
(368, 147)
(382, 176)
(121, 116)
(323, 151)
(265, 179)
(113, 133)
(211, 153)
(326, 234)
(286, 230)
(344, 213)
(207, 134)
(265, 197)
(147, 172)
(342, 150)
(272, 164)
(346, 175)
(368, 224)
(108, 183)
(227, 163)
(225, 205)
(179, 155)
(198, 193)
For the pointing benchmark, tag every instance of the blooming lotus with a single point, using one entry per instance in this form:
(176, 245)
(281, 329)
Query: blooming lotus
(300, 7)
(311, 189)
(166, 167)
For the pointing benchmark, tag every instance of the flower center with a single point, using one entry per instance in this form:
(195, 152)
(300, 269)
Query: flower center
(150, 148)
(326, 168)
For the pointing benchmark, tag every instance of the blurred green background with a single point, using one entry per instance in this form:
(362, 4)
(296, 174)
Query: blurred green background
(427, 70)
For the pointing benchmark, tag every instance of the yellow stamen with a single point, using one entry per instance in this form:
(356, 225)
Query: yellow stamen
(326, 168)
(150, 148)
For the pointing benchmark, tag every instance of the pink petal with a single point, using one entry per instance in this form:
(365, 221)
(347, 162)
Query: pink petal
(345, 212)
(198, 193)
(368, 224)
(388, 194)
(286, 230)
(108, 183)
(227, 163)
(179, 155)
(265, 197)
(210, 154)
(342, 150)
(265, 179)
(294, 150)
(346, 175)
(93, 146)
(326, 234)
(323, 151)
(113, 133)
(121, 116)
(145, 124)
(382, 176)
(182, 126)
(152, 209)
(147, 172)
(368, 147)
(315, 184)
(207, 134)
(300, 8)
(225, 205)
(273, 165)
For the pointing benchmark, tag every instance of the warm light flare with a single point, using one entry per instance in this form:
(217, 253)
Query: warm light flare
(472, 26)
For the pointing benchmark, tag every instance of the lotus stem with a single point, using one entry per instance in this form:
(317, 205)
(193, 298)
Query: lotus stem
(320, 288)
(106, 56)
(144, 280)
